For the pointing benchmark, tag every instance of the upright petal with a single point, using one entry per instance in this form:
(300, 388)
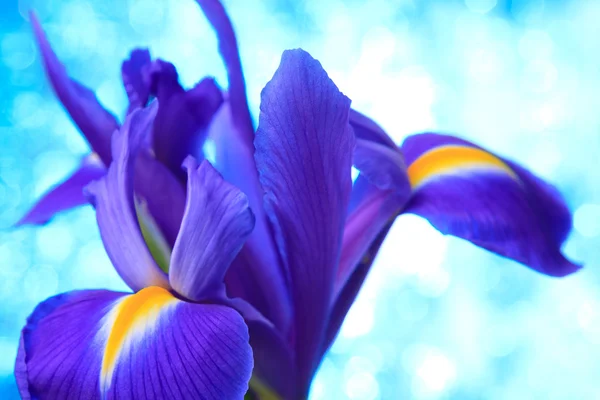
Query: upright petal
(466, 191)
(256, 275)
(216, 15)
(132, 69)
(65, 195)
(233, 133)
(304, 148)
(182, 121)
(97, 344)
(216, 223)
(113, 198)
(96, 124)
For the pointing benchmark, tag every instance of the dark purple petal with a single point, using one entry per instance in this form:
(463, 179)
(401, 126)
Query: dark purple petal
(150, 345)
(304, 148)
(66, 195)
(182, 121)
(132, 69)
(465, 191)
(216, 223)
(96, 124)
(115, 209)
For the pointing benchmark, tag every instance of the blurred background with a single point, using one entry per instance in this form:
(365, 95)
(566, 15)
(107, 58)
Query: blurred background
(437, 318)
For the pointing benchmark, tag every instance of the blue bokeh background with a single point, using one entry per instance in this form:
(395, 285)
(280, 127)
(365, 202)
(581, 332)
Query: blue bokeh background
(437, 318)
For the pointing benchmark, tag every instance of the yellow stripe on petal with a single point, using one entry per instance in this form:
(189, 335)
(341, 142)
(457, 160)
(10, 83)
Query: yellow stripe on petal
(134, 314)
(450, 159)
(262, 390)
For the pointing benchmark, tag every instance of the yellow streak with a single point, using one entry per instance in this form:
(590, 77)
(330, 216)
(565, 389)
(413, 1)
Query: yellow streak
(446, 159)
(262, 390)
(132, 310)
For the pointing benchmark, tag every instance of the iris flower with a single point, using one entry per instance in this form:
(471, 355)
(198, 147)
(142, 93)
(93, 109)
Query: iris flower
(173, 337)
(315, 233)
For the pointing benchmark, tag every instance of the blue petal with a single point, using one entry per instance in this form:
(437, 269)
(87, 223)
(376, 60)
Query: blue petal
(98, 344)
(304, 148)
(216, 223)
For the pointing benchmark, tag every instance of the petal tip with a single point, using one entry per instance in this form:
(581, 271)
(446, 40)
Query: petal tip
(189, 164)
(563, 269)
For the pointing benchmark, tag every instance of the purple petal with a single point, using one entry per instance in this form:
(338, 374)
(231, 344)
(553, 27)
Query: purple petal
(346, 294)
(162, 194)
(132, 69)
(233, 133)
(98, 344)
(66, 195)
(216, 223)
(217, 16)
(366, 227)
(366, 129)
(274, 367)
(115, 210)
(256, 275)
(378, 209)
(381, 165)
(414, 146)
(304, 150)
(21, 372)
(378, 195)
(96, 124)
(465, 191)
(182, 121)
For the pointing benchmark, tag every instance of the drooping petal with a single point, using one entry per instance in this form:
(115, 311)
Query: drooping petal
(66, 195)
(182, 121)
(216, 223)
(113, 197)
(381, 165)
(466, 191)
(304, 148)
(95, 123)
(133, 79)
(98, 344)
